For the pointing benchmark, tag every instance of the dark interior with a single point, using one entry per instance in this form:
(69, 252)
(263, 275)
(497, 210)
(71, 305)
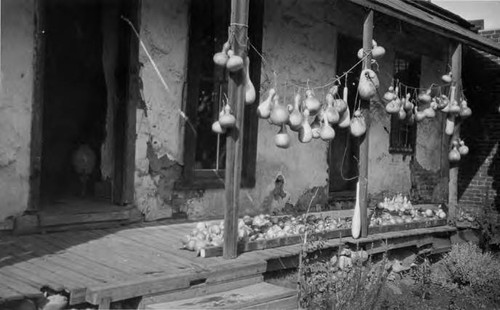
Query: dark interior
(75, 95)
(343, 165)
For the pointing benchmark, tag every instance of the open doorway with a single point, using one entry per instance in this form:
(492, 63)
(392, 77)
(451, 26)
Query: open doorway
(85, 86)
(343, 151)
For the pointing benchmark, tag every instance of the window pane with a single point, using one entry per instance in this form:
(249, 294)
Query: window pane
(407, 72)
(212, 86)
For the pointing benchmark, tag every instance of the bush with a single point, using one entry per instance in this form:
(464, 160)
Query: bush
(323, 285)
(469, 268)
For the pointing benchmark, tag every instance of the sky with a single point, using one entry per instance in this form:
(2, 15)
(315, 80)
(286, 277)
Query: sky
(489, 10)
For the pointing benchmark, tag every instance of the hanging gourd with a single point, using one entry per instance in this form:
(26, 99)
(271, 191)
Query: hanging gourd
(345, 118)
(235, 62)
(334, 90)
(429, 112)
(265, 107)
(311, 103)
(282, 139)
(389, 95)
(250, 94)
(327, 133)
(305, 131)
(227, 120)
(316, 127)
(454, 107)
(447, 78)
(331, 112)
(419, 115)
(465, 111)
(358, 124)
(295, 119)
(402, 112)
(221, 57)
(410, 118)
(377, 50)
(425, 97)
(392, 107)
(361, 53)
(368, 84)
(441, 103)
(450, 124)
(340, 105)
(216, 127)
(279, 113)
(408, 105)
(454, 155)
(463, 149)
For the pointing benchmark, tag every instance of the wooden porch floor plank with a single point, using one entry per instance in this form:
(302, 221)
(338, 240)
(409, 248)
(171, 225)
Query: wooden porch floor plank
(102, 253)
(8, 294)
(38, 265)
(150, 241)
(143, 257)
(151, 254)
(62, 277)
(28, 278)
(11, 287)
(55, 265)
(87, 262)
(173, 246)
(167, 244)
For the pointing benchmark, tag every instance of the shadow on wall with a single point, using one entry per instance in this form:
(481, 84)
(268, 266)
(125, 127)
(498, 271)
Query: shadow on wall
(481, 132)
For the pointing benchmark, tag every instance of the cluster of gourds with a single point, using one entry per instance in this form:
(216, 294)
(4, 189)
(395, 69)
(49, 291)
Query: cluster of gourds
(407, 109)
(458, 149)
(296, 116)
(233, 63)
(333, 111)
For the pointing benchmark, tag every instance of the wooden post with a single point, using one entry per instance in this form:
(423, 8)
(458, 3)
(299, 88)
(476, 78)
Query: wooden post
(234, 141)
(456, 71)
(364, 146)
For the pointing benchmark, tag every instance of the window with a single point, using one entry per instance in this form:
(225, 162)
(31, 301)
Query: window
(403, 136)
(204, 151)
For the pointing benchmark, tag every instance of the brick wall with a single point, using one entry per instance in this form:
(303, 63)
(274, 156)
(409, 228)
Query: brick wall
(479, 174)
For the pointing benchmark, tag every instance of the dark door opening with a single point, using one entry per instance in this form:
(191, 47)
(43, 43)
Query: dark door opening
(85, 93)
(343, 164)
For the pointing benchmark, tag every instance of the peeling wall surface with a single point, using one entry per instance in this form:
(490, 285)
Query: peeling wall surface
(298, 40)
(164, 30)
(15, 106)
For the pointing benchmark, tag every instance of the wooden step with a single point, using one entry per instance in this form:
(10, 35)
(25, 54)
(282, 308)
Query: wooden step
(199, 290)
(257, 296)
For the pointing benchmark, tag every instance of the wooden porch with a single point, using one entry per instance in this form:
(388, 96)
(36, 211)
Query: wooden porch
(100, 266)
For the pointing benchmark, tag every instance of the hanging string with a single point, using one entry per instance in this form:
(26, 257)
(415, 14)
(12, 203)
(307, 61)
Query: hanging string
(155, 67)
(335, 80)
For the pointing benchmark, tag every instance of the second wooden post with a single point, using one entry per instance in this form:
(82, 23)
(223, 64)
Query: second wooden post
(234, 142)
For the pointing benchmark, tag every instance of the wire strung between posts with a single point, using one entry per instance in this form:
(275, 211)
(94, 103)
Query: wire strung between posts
(335, 80)
(155, 67)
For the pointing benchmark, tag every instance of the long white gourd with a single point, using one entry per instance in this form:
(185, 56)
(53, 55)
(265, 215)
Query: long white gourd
(356, 217)
(345, 119)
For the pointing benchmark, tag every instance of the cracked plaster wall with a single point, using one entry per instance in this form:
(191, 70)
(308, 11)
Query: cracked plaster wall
(17, 53)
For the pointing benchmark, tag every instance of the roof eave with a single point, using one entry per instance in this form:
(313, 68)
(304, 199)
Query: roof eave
(480, 43)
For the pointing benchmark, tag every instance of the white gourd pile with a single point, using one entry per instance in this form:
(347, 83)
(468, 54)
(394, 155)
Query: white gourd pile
(399, 210)
(261, 227)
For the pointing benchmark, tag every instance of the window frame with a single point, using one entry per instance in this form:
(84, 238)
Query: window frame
(398, 125)
(193, 178)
